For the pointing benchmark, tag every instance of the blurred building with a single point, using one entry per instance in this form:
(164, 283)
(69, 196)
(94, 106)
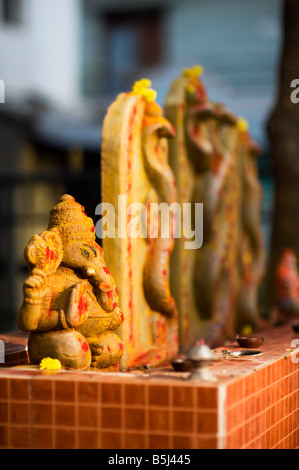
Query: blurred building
(63, 62)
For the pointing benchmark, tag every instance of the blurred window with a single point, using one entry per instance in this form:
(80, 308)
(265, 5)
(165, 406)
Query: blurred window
(134, 41)
(11, 11)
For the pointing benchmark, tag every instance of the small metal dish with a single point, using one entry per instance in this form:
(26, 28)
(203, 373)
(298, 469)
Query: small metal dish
(245, 352)
(250, 341)
(181, 364)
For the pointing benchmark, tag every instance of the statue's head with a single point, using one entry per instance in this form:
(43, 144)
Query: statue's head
(70, 242)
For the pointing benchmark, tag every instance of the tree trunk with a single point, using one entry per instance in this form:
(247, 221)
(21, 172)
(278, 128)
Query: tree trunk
(283, 131)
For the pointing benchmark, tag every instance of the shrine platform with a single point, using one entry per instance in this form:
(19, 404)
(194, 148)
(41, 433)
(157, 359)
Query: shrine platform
(253, 404)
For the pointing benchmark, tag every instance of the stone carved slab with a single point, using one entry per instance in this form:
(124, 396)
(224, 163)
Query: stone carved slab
(212, 159)
(135, 170)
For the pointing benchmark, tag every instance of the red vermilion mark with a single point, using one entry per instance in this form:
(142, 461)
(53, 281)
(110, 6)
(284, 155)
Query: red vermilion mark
(116, 290)
(121, 346)
(195, 131)
(50, 254)
(85, 346)
(82, 306)
(164, 272)
(216, 163)
(114, 305)
(122, 316)
(108, 348)
(93, 229)
(106, 270)
(130, 273)
(109, 294)
(105, 286)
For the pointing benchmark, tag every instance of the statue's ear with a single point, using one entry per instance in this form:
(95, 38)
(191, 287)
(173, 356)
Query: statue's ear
(44, 251)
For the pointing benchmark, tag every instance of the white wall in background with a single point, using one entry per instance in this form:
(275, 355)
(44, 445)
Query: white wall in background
(41, 54)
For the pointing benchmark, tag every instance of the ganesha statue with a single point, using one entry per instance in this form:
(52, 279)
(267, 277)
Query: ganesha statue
(70, 304)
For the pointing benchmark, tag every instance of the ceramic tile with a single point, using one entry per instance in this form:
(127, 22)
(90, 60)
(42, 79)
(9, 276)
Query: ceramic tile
(87, 416)
(64, 391)
(134, 419)
(183, 421)
(42, 390)
(3, 412)
(87, 392)
(111, 417)
(183, 397)
(20, 437)
(64, 438)
(206, 443)
(3, 388)
(157, 441)
(158, 419)
(64, 415)
(135, 441)
(207, 422)
(111, 440)
(3, 436)
(19, 413)
(159, 395)
(183, 442)
(111, 393)
(42, 414)
(134, 394)
(19, 389)
(87, 439)
(43, 438)
(207, 397)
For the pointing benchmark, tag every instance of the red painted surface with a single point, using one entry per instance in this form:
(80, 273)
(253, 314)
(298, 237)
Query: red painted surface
(82, 306)
(106, 270)
(109, 294)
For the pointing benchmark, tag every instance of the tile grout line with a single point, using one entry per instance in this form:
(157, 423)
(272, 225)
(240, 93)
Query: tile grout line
(122, 393)
(195, 418)
(9, 414)
(170, 422)
(31, 413)
(76, 404)
(221, 417)
(99, 416)
(146, 398)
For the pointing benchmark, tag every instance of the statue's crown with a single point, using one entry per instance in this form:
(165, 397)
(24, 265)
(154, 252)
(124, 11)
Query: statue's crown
(69, 218)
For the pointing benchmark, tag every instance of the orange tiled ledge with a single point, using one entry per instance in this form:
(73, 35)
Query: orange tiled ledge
(254, 404)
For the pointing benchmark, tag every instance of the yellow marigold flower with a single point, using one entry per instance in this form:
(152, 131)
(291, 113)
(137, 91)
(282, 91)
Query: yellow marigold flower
(190, 88)
(246, 330)
(242, 125)
(141, 87)
(50, 364)
(193, 72)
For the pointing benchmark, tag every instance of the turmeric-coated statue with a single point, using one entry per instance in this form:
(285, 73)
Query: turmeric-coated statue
(70, 298)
